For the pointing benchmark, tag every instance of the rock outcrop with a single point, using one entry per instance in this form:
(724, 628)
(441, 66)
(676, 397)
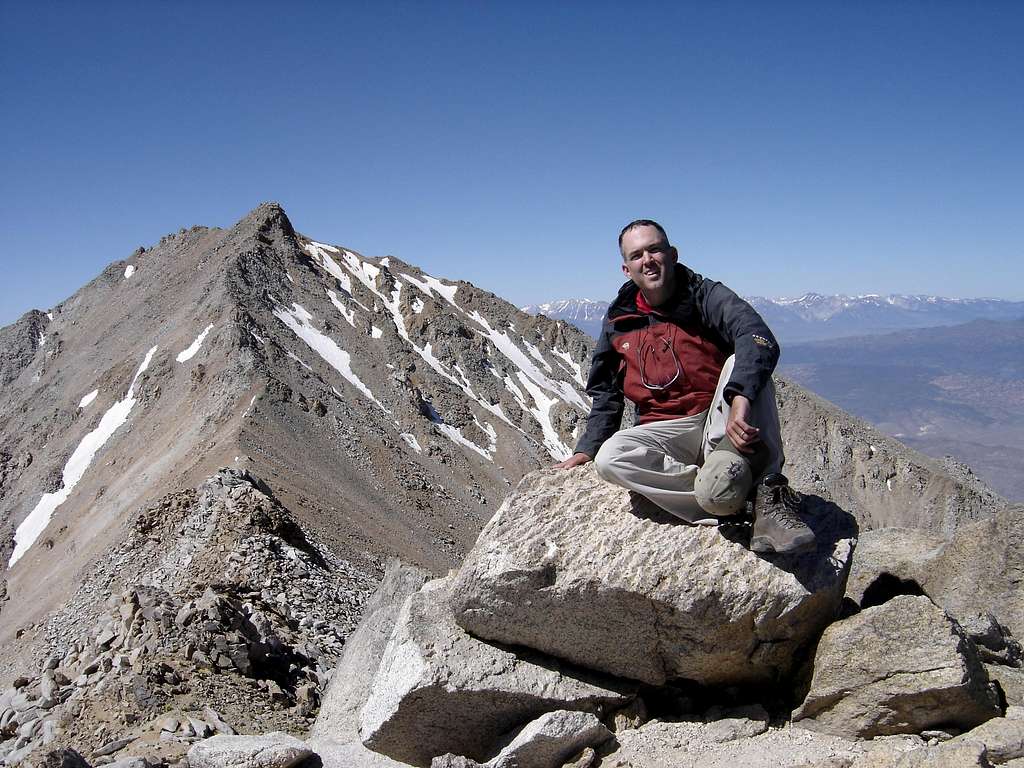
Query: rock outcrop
(569, 566)
(439, 690)
(977, 570)
(567, 553)
(350, 686)
(900, 667)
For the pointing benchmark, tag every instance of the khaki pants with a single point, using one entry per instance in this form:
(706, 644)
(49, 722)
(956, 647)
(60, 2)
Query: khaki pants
(678, 463)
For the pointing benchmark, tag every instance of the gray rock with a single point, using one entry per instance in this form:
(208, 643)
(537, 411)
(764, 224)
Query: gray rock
(338, 718)
(273, 750)
(1011, 680)
(637, 595)
(352, 754)
(900, 667)
(941, 756)
(890, 556)
(633, 715)
(200, 728)
(130, 762)
(661, 744)
(584, 759)
(21, 702)
(978, 570)
(63, 758)
(15, 756)
(113, 746)
(439, 690)
(454, 761)
(214, 719)
(982, 566)
(551, 739)
(741, 723)
(1002, 737)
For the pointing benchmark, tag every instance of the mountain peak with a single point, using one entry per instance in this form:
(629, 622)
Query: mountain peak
(268, 223)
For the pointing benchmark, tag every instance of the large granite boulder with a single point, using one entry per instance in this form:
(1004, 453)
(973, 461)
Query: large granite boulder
(983, 564)
(1002, 737)
(899, 667)
(338, 719)
(570, 566)
(891, 561)
(438, 690)
(978, 570)
(938, 756)
(335, 733)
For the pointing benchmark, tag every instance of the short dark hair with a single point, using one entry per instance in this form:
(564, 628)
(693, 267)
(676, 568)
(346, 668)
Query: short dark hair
(642, 223)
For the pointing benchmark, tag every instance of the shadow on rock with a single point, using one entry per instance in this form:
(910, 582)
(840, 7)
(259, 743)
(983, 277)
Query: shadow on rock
(830, 523)
(645, 509)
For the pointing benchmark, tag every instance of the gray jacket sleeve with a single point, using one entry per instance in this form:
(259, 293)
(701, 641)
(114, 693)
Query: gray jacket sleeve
(604, 385)
(755, 347)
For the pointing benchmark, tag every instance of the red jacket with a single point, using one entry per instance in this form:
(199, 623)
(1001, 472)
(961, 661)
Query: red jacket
(669, 362)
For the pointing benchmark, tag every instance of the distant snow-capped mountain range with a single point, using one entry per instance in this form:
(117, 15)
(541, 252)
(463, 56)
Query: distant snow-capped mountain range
(815, 316)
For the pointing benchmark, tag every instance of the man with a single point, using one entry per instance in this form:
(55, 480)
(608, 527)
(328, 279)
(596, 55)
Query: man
(697, 362)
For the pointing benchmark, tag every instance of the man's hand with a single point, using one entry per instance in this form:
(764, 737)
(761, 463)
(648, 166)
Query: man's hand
(743, 435)
(573, 461)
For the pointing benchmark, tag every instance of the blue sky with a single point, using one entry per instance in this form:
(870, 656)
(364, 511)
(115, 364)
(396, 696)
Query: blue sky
(787, 147)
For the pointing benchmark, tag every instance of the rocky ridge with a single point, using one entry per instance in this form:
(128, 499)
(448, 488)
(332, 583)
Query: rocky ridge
(249, 618)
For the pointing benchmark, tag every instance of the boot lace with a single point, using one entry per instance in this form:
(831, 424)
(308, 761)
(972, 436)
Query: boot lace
(783, 504)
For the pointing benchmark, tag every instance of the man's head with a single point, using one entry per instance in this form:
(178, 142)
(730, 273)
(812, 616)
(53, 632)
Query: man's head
(648, 259)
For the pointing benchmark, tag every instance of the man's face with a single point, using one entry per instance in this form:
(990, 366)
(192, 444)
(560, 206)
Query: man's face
(648, 260)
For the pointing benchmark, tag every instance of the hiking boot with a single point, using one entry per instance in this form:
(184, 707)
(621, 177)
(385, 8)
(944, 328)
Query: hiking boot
(777, 527)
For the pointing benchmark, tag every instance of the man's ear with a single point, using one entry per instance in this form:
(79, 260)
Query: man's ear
(674, 254)
(625, 269)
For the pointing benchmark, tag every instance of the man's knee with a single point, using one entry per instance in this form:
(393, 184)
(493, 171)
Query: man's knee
(604, 460)
(723, 483)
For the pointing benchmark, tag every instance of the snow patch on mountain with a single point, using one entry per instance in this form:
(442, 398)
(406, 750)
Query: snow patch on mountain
(530, 363)
(189, 352)
(129, 271)
(456, 436)
(573, 366)
(542, 413)
(411, 440)
(431, 285)
(84, 402)
(561, 389)
(298, 320)
(33, 525)
(348, 314)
